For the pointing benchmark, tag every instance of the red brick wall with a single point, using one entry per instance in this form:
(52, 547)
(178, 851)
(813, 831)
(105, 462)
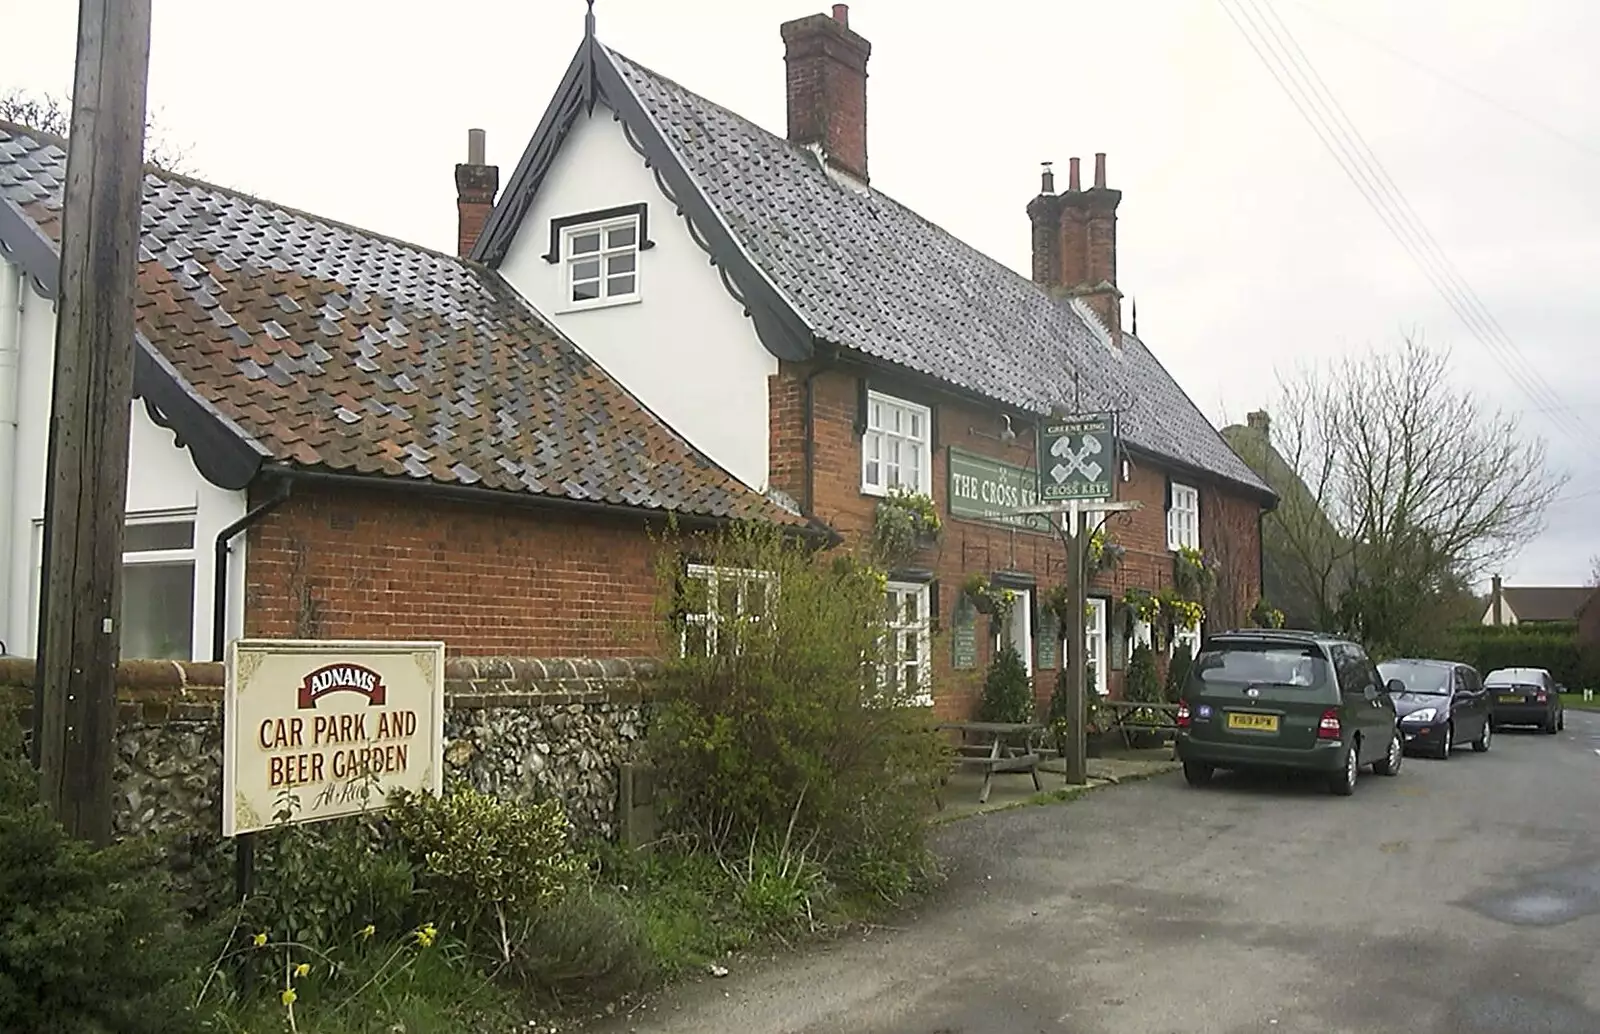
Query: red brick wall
(964, 546)
(337, 562)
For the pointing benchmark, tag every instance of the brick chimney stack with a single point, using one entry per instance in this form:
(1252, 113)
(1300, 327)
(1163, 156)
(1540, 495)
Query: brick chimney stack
(827, 87)
(1075, 243)
(476, 184)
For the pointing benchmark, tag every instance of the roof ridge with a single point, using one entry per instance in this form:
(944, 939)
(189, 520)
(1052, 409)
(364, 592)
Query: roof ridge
(54, 140)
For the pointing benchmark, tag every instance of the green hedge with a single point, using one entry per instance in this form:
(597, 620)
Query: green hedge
(1487, 648)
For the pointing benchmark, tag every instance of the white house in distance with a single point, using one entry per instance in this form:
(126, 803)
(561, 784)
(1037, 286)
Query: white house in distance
(1532, 604)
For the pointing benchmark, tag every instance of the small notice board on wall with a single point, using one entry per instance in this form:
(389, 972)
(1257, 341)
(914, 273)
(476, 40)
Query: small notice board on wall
(316, 729)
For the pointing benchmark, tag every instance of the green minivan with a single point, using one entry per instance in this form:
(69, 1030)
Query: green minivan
(1262, 698)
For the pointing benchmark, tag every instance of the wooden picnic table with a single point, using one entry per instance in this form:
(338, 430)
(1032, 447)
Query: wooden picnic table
(1128, 716)
(993, 753)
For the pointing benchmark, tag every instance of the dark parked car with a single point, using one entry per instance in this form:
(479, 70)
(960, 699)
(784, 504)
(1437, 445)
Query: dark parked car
(1263, 698)
(1526, 696)
(1441, 703)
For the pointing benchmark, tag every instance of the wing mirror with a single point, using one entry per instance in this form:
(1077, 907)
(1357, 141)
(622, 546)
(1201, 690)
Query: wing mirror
(1395, 687)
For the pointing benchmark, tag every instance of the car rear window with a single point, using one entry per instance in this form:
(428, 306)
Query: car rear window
(1515, 687)
(1265, 664)
(1419, 678)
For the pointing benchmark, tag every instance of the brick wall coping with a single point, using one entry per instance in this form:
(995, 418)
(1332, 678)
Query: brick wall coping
(156, 690)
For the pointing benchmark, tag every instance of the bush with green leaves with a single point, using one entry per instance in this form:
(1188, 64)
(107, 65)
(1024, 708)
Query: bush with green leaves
(1144, 681)
(1007, 690)
(320, 883)
(90, 939)
(777, 716)
(479, 857)
(1178, 671)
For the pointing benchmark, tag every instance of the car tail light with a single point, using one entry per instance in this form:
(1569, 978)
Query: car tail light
(1183, 715)
(1541, 698)
(1329, 728)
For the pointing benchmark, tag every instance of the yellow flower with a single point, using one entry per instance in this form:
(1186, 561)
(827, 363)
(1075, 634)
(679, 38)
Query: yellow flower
(427, 935)
(366, 931)
(259, 939)
(302, 969)
(288, 996)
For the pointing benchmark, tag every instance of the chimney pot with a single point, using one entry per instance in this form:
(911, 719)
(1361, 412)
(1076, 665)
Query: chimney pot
(841, 14)
(1073, 183)
(1047, 181)
(1100, 171)
(476, 146)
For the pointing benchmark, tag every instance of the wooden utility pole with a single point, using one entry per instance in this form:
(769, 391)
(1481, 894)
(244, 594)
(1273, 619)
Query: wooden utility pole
(90, 411)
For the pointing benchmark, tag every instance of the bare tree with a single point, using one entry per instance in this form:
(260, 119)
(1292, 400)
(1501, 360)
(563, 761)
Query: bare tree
(1594, 569)
(1413, 489)
(52, 114)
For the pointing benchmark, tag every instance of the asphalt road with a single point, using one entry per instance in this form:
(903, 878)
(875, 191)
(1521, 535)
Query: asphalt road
(1460, 897)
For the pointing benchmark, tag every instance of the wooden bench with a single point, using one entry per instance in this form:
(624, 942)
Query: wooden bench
(1128, 716)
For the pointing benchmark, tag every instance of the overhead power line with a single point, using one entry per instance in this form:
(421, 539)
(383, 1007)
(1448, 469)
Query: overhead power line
(1280, 53)
(1471, 91)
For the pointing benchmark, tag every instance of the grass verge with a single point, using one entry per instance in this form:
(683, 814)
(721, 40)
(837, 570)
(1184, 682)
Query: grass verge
(1577, 703)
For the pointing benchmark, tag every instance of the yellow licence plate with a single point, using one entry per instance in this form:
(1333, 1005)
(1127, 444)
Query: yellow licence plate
(1253, 722)
(1512, 698)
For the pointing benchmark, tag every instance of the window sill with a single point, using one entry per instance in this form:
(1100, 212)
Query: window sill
(602, 303)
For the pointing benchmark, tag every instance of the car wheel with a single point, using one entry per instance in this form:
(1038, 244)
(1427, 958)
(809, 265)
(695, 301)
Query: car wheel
(1561, 720)
(1481, 744)
(1344, 783)
(1448, 743)
(1550, 727)
(1390, 764)
(1197, 773)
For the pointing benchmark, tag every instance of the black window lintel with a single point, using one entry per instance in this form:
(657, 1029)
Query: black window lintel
(561, 223)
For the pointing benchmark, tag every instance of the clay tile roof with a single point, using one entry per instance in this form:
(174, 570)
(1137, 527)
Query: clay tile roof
(345, 351)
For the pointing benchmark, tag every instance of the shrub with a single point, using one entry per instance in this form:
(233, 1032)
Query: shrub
(320, 883)
(1007, 691)
(1514, 646)
(587, 943)
(90, 939)
(786, 724)
(478, 856)
(1144, 683)
(1178, 671)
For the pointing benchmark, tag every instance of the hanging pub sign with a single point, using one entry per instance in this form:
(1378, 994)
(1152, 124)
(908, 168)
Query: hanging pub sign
(317, 729)
(1077, 458)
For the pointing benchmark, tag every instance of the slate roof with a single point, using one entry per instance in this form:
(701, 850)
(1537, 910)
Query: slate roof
(1544, 602)
(326, 347)
(865, 273)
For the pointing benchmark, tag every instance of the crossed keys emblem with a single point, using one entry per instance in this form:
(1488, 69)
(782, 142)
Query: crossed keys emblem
(1076, 460)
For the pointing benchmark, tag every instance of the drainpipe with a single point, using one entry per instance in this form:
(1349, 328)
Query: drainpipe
(219, 572)
(13, 291)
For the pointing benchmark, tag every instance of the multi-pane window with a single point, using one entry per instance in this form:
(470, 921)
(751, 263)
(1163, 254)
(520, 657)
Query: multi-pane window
(602, 261)
(896, 448)
(905, 669)
(1183, 518)
(1186, 636)
(714, 600)
(158, 589)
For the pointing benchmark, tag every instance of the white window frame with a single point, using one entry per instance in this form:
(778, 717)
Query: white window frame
(879, 436)
(135, 558)
(1190, 635)
(898, 628)
(570, 260)
(1183, 518)
(1019, 627)
(710, 619)
(1096, 644)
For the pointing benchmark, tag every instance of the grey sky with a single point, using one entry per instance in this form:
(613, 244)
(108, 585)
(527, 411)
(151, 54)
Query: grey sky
(1243, 242)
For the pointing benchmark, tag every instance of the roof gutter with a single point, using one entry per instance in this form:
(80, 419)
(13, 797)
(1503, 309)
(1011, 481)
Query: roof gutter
(497, 497)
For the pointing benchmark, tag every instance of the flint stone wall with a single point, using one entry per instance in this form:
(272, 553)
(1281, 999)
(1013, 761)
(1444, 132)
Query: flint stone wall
(515, 727)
